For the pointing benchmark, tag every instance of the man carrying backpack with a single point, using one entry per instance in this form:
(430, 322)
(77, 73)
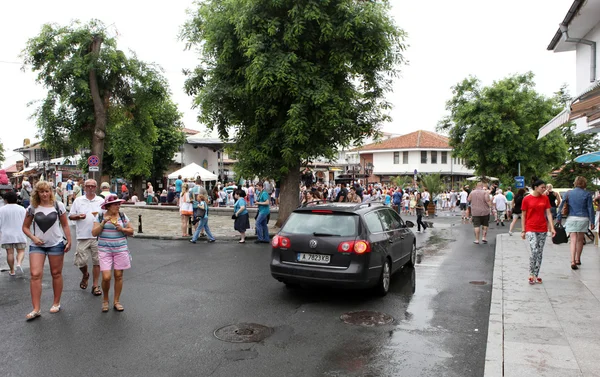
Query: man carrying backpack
(84, 211)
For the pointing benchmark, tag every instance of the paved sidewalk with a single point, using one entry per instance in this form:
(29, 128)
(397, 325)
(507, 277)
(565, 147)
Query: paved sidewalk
(549, 329)
(166, 224)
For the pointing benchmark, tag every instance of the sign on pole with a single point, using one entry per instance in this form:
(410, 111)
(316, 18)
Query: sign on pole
(93, 160)
(93, 168)
(520, 182)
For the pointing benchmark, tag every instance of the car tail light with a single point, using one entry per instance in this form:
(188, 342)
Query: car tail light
(281, 242)
(357, 247)
(321, 211)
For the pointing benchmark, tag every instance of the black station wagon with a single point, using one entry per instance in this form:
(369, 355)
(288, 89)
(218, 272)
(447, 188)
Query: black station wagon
(343, 245)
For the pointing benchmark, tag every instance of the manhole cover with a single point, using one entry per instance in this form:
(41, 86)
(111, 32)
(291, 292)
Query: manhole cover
(367, 318)
(243, 333)
(478, 282)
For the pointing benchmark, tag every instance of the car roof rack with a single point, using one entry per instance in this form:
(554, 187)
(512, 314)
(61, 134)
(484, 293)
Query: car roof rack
(367, 204)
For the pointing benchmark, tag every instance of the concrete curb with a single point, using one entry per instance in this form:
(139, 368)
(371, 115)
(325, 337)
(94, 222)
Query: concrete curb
(494, 355)
(179, 238)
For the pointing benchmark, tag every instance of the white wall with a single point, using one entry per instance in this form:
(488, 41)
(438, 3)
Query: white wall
(582, 69)
(198, 155)
(583, 53)
(383, 163)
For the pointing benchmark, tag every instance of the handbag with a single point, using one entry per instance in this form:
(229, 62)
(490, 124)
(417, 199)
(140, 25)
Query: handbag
(561, 234)
(565, 209)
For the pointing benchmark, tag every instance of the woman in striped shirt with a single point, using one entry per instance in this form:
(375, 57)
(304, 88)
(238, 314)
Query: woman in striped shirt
(112, 229)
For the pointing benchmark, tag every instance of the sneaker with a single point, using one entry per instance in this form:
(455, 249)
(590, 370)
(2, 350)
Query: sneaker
(538, 280)
(191, 241)
(211, 241)
(502, 224)
(531, 280)
(510, 233)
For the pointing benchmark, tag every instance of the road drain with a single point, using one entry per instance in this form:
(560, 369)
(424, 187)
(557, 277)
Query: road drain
(367, 318)
(243, 333)
(478, 282)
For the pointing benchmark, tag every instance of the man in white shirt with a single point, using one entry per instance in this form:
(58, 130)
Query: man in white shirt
(84, 211)
(12, 237)
(500, 203)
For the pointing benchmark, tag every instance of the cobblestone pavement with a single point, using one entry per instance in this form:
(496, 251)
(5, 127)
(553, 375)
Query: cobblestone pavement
(166, 224)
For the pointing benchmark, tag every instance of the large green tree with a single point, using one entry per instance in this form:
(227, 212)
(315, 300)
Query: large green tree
(99, 98)
(578, 144)
(494, 128)
(292, 80)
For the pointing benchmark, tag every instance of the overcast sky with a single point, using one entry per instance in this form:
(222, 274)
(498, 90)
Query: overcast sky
(447, 41)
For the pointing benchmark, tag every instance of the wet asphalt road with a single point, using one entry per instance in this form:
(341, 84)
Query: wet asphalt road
(178, 294)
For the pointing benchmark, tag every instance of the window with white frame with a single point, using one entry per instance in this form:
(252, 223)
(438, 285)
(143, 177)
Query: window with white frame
(444, 157)
(423, 157)
(434, 157)
(396, 158)
(405, 157)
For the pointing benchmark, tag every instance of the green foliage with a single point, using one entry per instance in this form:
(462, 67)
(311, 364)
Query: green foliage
(494, 128)
(432, 182)
(403, 181)
(292, 80)
(1, 152)
(133, 97)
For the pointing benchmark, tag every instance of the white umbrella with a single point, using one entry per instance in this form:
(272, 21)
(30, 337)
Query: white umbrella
(486, 178)
(192, 171)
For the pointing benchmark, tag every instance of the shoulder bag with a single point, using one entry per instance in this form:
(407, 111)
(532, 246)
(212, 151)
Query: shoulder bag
(565, 209)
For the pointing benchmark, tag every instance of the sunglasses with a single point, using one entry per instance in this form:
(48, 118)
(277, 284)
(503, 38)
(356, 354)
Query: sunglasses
(90, 186)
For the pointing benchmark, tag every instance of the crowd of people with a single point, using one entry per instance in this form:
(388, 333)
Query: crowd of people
(41, 220)
(101, 233)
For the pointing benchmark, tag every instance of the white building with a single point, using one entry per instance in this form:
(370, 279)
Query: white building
(421, 151)
(580, 32)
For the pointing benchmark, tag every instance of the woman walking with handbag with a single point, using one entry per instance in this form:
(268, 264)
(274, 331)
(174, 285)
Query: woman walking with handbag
(240, 215)
(203, 224)
(580, 212)
(536, 218)
(186, 209)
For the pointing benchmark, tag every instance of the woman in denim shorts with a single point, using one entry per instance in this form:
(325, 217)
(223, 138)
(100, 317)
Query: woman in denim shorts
(47, 217)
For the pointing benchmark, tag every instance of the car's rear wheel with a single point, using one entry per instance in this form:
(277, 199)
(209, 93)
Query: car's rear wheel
(383, 285)
(413, 256)
(291, 285)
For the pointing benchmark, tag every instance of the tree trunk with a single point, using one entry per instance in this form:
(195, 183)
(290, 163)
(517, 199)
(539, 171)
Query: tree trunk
(289, 194)
(99, 109)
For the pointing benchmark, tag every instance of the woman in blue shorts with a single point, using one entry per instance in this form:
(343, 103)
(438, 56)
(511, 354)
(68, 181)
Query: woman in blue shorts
(47, 217)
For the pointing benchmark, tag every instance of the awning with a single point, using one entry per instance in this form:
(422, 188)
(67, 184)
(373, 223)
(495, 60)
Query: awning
(587, 103)
(26, 170)
(557, 121)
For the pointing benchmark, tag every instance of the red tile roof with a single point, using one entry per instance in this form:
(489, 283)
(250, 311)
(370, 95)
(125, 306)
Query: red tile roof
(189, 131)
(415, 140)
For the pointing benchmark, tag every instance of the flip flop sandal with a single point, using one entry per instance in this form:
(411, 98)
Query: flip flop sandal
(484, 241)
(118, 307)
(84, 281)
(476, 242)
(105, 307)
(96, 291)
(55, 308)
(32, 315)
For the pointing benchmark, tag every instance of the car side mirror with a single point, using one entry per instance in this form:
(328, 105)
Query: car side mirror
(409, 224)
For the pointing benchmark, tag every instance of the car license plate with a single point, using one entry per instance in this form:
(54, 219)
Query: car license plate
(314, 258)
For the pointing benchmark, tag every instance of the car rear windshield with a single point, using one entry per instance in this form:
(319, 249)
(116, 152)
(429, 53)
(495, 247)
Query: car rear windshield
(335, 224)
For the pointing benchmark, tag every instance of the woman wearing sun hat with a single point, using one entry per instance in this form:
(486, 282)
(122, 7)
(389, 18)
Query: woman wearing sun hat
(112, 229)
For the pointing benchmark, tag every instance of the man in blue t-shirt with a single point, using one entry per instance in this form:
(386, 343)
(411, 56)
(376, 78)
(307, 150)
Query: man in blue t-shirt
(397, 200)
(178, 187)
(263, 201)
